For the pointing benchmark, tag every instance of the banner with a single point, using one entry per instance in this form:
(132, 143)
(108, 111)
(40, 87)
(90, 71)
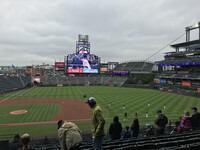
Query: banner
(59, 84)
(82, 70)
(163, 81)
(156, 80)
(121, 72)
(59, 64)
(198, 90)
(103, 69)
(37, 79)
(186, 83)
(169, 90)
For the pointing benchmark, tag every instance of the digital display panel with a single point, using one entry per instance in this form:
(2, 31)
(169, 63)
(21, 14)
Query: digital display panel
(59, 66)
(120, 72)
(103, 69)
(82, 62)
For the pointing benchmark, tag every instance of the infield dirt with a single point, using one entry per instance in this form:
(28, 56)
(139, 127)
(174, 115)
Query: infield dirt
(70, 110)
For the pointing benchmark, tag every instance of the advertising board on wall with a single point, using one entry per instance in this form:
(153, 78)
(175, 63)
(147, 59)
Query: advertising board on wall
(156, 80)
(163, 81)
(186, 83)
(121, 72)
(103, 69)
(82, 70)
(59, 66)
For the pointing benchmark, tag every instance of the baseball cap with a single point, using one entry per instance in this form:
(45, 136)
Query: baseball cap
(148, 125)
(91, 100)
(159, 111)
(60, 122)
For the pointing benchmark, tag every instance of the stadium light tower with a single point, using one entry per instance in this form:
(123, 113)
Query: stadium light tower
(188, 29)
(83, 43)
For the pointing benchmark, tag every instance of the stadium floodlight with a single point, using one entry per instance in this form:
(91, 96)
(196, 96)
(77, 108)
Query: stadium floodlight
(192, 27)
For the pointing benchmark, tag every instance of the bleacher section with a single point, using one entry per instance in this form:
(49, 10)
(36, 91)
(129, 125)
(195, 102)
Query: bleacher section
(178, 75)
(84, 80)
(134, 67)
(181, 141)
(11, 83)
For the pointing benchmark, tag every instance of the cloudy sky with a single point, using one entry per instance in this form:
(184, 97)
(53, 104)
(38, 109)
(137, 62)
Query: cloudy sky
(37, 31)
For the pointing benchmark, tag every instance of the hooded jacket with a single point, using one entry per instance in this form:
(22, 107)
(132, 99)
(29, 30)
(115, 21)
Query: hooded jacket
(98, 122)
(161, 121)
(69, 135)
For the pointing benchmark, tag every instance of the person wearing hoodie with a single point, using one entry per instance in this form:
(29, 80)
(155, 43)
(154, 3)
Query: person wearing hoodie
(16, 143)
(135, 128)
(70, 137)
(115, 129)
(98, 124)
(160, 122)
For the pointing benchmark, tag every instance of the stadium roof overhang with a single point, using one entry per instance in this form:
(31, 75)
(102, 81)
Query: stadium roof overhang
(186, 44)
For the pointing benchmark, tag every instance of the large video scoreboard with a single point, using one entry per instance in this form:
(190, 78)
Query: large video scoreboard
(82, 61)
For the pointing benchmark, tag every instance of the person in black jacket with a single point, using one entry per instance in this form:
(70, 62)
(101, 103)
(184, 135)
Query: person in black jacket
(135, 127)
(160, 122)
(16, 143)
(115, 129)
(195, 119)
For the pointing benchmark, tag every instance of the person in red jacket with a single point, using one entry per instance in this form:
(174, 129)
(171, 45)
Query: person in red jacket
(186, 122)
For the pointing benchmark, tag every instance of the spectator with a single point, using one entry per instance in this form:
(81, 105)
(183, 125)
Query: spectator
(69, 135)
(115, 129)
(98, 124)
(25, 140)
(186, 122)
(135, 128)
(15, 144)
(46, 140)
(149, 131)
(160, 122)
(175, 129)
(126, 133)
(195, 119)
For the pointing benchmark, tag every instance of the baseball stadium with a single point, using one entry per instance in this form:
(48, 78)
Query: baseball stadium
(34, 98)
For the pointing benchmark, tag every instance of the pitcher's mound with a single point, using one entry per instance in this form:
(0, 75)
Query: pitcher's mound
(18, 112)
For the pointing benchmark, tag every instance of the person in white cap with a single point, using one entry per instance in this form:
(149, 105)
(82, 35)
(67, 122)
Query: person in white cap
(98, 124)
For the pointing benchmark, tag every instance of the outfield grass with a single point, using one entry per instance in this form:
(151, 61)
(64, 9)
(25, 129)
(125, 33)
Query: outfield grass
(136, 100)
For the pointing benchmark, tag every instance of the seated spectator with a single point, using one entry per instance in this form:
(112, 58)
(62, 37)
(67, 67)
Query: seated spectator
(46, 140)
(135, 128)
(126, 133)
(149, 131)
(195, 119)
(25, 140)
(70, 137)
(16, 143)
(175, 129)
(115, 129)
(186, 122)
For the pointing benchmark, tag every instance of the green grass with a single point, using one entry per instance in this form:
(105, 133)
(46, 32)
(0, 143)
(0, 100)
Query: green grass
(36, 113)
(135, 100)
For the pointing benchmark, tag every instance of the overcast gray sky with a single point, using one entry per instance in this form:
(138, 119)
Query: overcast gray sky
(37, 31)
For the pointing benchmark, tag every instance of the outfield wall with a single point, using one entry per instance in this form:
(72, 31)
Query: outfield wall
(171, 89)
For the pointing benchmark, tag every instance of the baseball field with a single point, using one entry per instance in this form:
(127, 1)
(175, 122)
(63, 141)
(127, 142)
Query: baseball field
(36, 110)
